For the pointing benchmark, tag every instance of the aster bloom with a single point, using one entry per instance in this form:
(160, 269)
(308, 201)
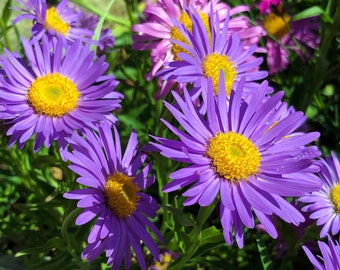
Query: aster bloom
(90, 21)
(291, 236)
(56, 89)
(166, 258)
(330, 255)
(58, 20)
(245, 153)
(324, 204)
(265, 5)
(212, 50)
(158, 30)
(286, 34)
(113, 196)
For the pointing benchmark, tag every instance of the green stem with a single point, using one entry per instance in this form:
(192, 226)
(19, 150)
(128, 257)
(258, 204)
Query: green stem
(110, 18)
(19, 165)
(99, 27)
(195, 236)
(162, 180)
(316, 75)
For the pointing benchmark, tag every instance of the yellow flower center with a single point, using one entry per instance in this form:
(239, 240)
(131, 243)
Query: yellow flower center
(55, 22)
(233, 156)
(53, 95)
(211, 67)
(164, 262)
(176, 34)
(276, 25)
(120, 194)
(334, 195)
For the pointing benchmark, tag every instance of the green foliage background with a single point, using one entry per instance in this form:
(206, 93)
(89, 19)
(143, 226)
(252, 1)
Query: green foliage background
(37, 228)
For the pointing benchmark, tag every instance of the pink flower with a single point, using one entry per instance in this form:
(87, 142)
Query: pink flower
(157, 29)
(285, 35)
(264, 6)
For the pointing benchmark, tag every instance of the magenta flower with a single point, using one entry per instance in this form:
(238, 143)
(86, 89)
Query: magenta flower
(55, 90)
(330, 259)
(245, 154)
(265, 5)
(284, 34)
(157, 30)
(207, 51)
(113, 196)
(324, 204)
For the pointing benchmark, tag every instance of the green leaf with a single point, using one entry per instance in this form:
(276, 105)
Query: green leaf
(265, 258)
(309, 12)
(99, 27)
(3, 33)
(55, 242)
(182, 218)
(69, 221)
(6, 13)
(211, 235)
(184, 241)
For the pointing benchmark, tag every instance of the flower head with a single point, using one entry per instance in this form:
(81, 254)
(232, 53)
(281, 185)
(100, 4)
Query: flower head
(207, 51)
(324, 204)
(243, 151)
(113, 195)
(56, 89)
(58, 20)
(89, 21)
(330, 255)
(265, 5)
(158, 29)
(287, 34)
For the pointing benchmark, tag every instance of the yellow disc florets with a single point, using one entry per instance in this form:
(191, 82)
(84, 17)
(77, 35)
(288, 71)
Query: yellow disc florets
(186, 21)
(233, 156)
(55, 22)
(211, 67)
(276, 25)
(334, 196)
(121, 194)
(53, 95)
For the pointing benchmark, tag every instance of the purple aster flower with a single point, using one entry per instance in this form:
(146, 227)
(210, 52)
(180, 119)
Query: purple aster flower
(89, 21)
(158, 30)
(243, 153)
(212, 50)
(324, 204)
(286, 34)
(265, 5)
(166, 258)
(330, 255)
(59, 20)
(56, 89)
(113, 196)
(289, 238)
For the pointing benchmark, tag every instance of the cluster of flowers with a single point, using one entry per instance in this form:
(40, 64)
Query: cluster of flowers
(243, 145)
(59, 92)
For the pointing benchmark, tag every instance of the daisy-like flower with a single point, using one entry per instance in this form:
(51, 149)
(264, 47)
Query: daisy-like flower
(330, 255)
(113, 196)
(324, 204)
(290, 236)
(285, 34)
(89, 21)
(56, 89)
(210, 50)
(157, 32)
(265, 5)
(243, 153)
(58, 20)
